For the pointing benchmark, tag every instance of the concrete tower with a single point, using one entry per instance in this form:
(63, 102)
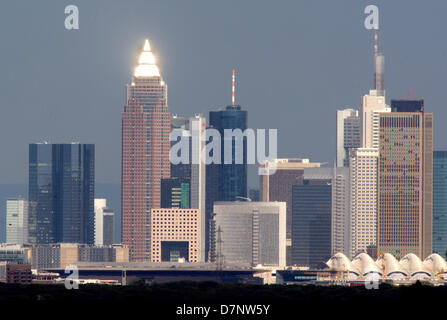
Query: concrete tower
(373, 103)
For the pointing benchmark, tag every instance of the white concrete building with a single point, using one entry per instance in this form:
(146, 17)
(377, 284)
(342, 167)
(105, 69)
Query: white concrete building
(372, 105)
(104, 223)
(16, 221)
(363, 199)
(194, 127)
(250, 233)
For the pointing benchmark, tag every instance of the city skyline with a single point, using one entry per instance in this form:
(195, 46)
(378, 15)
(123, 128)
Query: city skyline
(285, 152)
(92, 52)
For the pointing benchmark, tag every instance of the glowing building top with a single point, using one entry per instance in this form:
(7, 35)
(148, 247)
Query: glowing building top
(146, 63)
(147, 85)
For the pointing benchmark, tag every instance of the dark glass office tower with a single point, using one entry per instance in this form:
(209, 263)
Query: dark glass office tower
(226, 182)
(232, 178)
(61, 193)
(311, 223)
(440, 203)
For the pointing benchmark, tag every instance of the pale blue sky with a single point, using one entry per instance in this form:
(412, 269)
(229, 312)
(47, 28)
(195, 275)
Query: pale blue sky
(296, 61)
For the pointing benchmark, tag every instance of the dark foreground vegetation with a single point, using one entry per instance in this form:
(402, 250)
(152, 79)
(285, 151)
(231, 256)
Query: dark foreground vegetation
(283, 299)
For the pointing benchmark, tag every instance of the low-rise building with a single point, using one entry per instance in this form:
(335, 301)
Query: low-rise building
(175, 235)
(15, 273)
(248, 233)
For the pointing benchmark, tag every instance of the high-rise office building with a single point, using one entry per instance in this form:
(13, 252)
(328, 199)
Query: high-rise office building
(61, 193)
(16, 221)
(340, 231)
(440, 202)
(405, 182)
(311, 222)
(232, 177)
(193, 128)
(277, 186)
(348, 134)
(226, 181)
(340, 210)
(146, 125)
(104, 223)
(249, 233)
(363, 200)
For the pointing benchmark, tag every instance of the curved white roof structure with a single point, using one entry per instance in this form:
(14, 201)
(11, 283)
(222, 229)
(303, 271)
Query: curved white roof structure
(413, 265)
(340, 262)
(391, 266)
(365, 264)
(409, 267)
(435, 264)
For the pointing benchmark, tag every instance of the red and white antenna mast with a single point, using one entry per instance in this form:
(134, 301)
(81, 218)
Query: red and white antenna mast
(376, 42)
(232, 89)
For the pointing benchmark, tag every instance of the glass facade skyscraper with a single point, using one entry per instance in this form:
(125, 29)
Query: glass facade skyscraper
(16, 221)
(61, 193)
(440, 202)
(232, 177)
(311, 222)
(226, 182)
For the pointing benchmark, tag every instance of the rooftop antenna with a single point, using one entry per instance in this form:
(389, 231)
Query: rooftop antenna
(379, 66)
(376, 42)
(232, 89)
(411, 94)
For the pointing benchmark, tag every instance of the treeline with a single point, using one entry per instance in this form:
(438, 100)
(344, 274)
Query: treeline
(283, 299)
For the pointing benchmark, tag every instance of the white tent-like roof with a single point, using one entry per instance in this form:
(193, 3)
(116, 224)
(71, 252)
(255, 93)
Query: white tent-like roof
(365, 264)
(410, 266)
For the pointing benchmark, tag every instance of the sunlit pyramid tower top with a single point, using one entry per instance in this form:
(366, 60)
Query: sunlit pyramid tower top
(146, 63)
(147, 85)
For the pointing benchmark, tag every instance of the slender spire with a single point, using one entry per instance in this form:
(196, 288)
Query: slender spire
(147, 46)
(146, 63)
(233, 88)
(376, 42)
(379, 67)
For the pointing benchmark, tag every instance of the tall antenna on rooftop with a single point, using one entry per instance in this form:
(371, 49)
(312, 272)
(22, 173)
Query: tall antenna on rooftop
(233, 89)
(376, 42)
(379, 66)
